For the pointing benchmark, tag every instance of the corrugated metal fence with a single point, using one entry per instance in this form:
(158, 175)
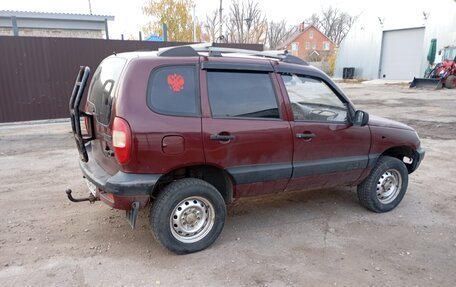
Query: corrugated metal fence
(37, 74)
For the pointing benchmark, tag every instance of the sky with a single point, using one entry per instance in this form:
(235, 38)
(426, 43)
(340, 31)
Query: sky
(129, 17)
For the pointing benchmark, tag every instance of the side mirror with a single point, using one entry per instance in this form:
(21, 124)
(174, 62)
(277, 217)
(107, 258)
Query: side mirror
(440, 52)
(361, 118)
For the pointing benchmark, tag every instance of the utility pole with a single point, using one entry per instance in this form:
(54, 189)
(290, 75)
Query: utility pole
(221, 21)
(90, 7)
(194, 24)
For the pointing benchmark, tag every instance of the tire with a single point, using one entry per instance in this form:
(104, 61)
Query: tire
(187, 216)
(385, 186)
(450, 82)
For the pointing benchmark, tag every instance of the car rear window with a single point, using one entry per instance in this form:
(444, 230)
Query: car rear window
(245, 95)
(103, 87)
(172, 90)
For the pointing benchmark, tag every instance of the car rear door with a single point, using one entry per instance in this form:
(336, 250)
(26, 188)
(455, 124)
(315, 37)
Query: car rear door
(244, 129)
(101, 97)
(328, 150)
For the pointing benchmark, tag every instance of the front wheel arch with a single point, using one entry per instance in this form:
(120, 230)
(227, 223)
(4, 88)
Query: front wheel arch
(405, 154)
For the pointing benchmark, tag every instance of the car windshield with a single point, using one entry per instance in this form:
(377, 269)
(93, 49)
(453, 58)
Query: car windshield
(449, 54)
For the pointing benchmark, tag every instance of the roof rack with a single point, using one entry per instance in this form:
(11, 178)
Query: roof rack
(195, 49)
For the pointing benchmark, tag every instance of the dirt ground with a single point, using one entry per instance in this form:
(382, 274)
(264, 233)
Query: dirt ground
(312, 238)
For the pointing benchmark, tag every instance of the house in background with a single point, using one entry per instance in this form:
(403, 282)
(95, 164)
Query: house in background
(393, 44)
(37, 24)
(309, 44)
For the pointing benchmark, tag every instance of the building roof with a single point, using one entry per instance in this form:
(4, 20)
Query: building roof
(295, 35)
(54, 16)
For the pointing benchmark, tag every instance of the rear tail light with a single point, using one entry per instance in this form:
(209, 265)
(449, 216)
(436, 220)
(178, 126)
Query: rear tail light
(121, 140)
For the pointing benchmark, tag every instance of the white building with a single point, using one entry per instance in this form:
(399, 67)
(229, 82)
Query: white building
(392, 41)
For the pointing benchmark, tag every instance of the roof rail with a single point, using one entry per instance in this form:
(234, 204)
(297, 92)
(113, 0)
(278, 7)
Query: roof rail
(194, 49)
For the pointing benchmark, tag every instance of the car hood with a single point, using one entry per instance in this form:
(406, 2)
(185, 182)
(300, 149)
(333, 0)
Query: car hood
(387, 123)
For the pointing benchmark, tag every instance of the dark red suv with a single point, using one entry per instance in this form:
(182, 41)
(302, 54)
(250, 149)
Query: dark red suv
(188, 129)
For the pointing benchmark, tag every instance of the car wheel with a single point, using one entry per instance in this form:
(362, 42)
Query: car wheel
(450, 82)
(386, 185)
(187, 216)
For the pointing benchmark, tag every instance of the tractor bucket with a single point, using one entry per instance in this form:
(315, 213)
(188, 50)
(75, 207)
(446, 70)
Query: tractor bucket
(423, 83)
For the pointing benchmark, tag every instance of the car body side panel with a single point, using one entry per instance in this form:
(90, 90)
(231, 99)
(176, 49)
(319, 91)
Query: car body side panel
(338, 154)
(149, 129)
(258, 159)
(258, 188)
(384, 138)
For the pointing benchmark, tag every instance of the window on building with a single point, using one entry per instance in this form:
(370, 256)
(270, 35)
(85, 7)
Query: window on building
(314, 46)
(313, 100)
(307, 45)
(311, 34)
(245, 95)
(295, 46)
(326, 46)
(172, 90)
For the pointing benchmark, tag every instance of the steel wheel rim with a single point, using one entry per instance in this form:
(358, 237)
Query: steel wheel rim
(192, 219)
(389, 186)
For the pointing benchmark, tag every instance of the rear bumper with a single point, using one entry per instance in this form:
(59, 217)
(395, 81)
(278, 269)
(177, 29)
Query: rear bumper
(121, 183)
(121, 189)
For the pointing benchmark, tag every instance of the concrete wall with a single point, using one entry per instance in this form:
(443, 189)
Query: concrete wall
(361, 48)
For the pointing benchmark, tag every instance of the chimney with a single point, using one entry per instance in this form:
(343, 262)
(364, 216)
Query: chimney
(301, 27)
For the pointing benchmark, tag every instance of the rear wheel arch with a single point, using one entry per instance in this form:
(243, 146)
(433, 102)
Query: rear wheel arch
(187, 216)
(215, 176)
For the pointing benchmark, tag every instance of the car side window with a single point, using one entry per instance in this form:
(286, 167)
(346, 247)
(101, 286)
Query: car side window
(242, 94)
(172, 90)
(312, 100)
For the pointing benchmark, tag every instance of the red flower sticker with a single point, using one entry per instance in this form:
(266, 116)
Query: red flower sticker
(176, 82)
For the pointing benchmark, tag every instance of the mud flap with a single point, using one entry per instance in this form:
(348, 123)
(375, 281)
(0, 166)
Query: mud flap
(424, 83)
(132, 214)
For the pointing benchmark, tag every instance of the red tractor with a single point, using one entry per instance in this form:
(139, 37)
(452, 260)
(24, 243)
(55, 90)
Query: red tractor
(442, 74)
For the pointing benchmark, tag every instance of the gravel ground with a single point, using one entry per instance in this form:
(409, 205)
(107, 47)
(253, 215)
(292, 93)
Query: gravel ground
(312, 238)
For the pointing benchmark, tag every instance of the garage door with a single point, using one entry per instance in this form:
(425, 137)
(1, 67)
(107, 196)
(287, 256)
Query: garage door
(402, 51)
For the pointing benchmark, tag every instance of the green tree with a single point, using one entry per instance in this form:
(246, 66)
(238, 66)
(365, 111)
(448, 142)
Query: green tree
(176, 14)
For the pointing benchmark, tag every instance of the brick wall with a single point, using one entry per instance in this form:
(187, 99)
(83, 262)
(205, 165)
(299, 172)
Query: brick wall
(6, 32)
(88, 34)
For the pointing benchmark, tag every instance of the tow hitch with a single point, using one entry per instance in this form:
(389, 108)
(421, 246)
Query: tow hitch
(91, 197)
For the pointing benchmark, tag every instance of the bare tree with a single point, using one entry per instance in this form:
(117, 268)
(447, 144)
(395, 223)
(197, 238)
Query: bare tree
(211, 26)
(246, 23)
(332, 22)
(313, 20)
(277, 33)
